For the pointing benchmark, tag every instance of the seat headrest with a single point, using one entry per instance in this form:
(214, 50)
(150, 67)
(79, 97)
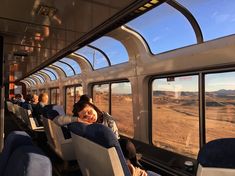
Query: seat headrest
(29, 161)
(52, 110)
(77, 128)
(13, 141)
(101, 135)
(218, 153)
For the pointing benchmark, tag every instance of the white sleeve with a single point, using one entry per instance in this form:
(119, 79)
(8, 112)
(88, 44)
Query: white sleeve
(64, 120)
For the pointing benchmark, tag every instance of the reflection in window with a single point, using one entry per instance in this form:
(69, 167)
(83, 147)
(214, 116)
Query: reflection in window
(96, 58)
(72, 95)
(73, 64)
(101, 96)
(68, 71)
(121, 109)
(175, 118)
(220, 105)
(55, 96)
(164, 28)
(114, 49)
(215, 17)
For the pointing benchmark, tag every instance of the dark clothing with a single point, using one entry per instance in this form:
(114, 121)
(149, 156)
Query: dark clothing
(37, 112)
(27, 105)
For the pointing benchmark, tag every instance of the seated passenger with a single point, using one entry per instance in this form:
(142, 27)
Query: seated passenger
(37, 110)
(129, 152)
(88, 113)
(27, 104)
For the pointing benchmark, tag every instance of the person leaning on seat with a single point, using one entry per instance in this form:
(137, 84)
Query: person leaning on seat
(86, 112)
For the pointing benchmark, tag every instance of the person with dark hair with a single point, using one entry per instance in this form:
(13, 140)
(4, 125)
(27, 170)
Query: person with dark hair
(37, 110)
(129, 152)
(27, 104)
(88, 113)
(85, 98)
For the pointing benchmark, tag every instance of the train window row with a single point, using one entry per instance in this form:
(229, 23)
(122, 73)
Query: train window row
(174, 109)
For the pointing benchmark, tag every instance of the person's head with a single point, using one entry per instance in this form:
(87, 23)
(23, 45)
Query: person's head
(43, 98)
(86, 98)
(87, 111)
(35, 98)
(129, 151)
(28, 98)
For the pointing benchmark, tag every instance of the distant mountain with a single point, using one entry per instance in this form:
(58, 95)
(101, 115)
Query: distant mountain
(224, 92)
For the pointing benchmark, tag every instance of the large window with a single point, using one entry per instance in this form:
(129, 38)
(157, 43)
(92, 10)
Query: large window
(117, 102)
(73, 94)
(175, 117)
(220, 105)
(101, 96)
(55, 96)
(215, 17)
(164, 28)
(121, 107)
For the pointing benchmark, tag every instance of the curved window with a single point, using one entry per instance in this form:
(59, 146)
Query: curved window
(67, 69)
(164, 28)
(95, 57)
(26, 82)
(114, 49)
(43, 75)
(215, 17)
(40, 78)
(31, 81)
(35, 79)
(73, 64)
(50, 74)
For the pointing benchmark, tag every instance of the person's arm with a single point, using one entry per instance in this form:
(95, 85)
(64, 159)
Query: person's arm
(108, 121)
(64, 120)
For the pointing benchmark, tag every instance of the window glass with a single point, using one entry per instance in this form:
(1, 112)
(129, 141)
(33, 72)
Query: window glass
(175, 117)
(55, 95)
(42, 91)
(73, 64)
(32, 81)
(220, 105)
(52, 76)
(215, 17)
(95, 57)
(78, 93)
(69, 100)
(68, 71)
(114, 49)
(40, 78)
(101, 97)
(121, 109)
(164, 28)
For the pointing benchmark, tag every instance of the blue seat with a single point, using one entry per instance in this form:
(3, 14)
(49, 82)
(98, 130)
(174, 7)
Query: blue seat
(97, 150)
(13, 141)
(28, 160)
(20, 157)
(217, 157)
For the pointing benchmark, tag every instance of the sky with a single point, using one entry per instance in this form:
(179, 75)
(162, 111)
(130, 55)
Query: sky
(164, 28)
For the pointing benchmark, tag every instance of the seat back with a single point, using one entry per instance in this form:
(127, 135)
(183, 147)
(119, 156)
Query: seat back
(10, 107)
(217, 158)
(13, 140)
(28, 160)
(97, 150)
(56, 139)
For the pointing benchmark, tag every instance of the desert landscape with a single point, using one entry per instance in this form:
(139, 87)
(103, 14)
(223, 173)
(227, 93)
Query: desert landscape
(175, 118)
